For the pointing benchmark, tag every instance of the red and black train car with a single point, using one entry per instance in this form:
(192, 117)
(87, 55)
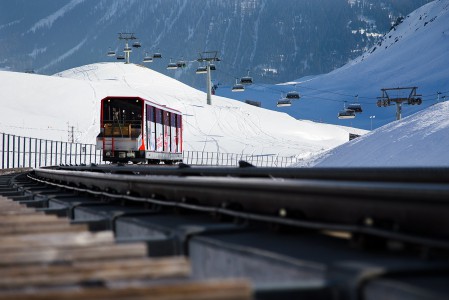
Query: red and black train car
(133, 129)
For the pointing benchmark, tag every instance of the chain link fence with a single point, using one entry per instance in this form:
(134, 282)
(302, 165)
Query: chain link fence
(26, 152)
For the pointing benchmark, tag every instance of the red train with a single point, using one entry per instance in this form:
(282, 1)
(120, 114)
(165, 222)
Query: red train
(136, 130)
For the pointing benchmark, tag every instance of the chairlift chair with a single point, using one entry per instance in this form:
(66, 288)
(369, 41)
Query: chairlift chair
(212, 67)
(346, 114)
(172, 66)
(120, 57)
(147, 58)
(111, 52)
(181, 64)
(293, 95)
(137, 45)
(157, 55)
(201, 70)
(238, 87)
(246, 80)
(284, 102)
(356, 107)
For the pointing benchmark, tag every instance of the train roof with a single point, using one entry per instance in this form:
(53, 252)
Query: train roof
(161, 106)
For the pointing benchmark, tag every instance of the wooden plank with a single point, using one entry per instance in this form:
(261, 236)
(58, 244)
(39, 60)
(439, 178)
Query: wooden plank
(32, 228)
(212, 290)
(81, 266)
(69, 255)
(55, 239)
(36, 218)
(54, 276)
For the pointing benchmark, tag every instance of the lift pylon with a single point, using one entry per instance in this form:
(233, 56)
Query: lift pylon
(208, 57)
(412, 99)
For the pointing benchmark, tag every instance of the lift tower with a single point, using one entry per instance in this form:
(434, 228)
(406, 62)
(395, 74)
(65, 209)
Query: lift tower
(126, 36)
(412, 99)
(208, 57)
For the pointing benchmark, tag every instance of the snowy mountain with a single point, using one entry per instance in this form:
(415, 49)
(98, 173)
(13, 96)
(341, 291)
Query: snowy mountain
(47, 106)
(413, 53)
(420, 140)
(276, 40)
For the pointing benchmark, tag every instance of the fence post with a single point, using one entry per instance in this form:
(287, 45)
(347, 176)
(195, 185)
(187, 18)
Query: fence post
(70, 153)
(13, 150)
(3, 150)
(18, 151)
(24, 150)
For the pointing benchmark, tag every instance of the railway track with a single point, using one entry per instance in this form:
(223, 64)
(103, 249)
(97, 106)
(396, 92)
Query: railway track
(292, 233)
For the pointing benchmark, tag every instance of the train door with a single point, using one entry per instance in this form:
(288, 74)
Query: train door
(173, 132)
(166, 131)
(159, 130)
(179, 133)
(151, 128)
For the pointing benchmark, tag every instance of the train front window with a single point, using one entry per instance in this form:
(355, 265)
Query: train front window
(122, 117)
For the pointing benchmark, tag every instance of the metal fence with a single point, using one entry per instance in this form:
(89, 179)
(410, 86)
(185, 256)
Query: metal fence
(26, 152)
(232, 159)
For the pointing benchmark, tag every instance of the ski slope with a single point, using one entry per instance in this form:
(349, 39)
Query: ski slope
(47, 106)
(419, 140)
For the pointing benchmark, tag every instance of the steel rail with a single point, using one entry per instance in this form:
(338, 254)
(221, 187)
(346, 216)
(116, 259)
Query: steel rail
(397, 208)
(403, 174)
(267, 219)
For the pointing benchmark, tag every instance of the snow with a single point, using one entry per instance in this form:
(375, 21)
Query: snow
(415, 53)
(45, 106)
(420, 140)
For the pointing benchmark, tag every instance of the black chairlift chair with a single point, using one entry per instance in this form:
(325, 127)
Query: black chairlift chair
(346, 114)
(284, 102)
(137, 45)
(181, 64)
(246, 80)
(212, 67)
(120, 57)
(238, 87)
(157, 55)
(356, 107)
(293, 95)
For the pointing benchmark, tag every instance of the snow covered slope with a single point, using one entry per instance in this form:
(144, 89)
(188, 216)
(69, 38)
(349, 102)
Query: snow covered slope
(418, 140)
(41, 106)
(414, 53)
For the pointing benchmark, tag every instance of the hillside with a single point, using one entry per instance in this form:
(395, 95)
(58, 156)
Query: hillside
(420, 140)
(413, 53)
(276, 40)
(44, 106)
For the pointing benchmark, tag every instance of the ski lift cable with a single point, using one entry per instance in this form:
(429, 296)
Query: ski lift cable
(282, 91)
(304, 97)
(319, 90)
(305, 87)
